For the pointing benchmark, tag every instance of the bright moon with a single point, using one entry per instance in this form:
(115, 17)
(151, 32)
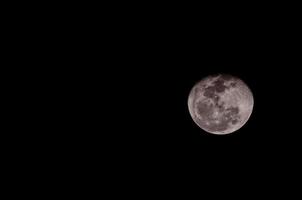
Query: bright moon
(220, 104)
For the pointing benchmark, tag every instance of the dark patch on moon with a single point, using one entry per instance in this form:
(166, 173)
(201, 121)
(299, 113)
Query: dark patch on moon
(204, 109)
(216, 99)
(232, 110)
(219, 86)
(234, 121)
(233, 84)
(209, 92)
(220, 106)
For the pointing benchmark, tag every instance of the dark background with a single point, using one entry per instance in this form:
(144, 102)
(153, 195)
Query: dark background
(110, 88)
(153, 65)
(143, 75)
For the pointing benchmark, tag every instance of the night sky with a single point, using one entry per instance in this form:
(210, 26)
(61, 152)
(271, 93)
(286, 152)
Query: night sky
(158, 68)
(122, 90)
(155, 78)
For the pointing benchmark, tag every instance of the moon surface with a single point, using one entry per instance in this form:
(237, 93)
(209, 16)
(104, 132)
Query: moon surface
(220, 104)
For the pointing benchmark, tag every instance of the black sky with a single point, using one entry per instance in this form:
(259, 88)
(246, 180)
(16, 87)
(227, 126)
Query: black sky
(99, 94)
(158, 64)
(122, 91)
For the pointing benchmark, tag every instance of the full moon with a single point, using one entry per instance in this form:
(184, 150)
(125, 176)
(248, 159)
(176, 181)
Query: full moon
(220, 104)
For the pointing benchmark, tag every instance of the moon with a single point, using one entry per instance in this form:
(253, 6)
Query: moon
(220, 104)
